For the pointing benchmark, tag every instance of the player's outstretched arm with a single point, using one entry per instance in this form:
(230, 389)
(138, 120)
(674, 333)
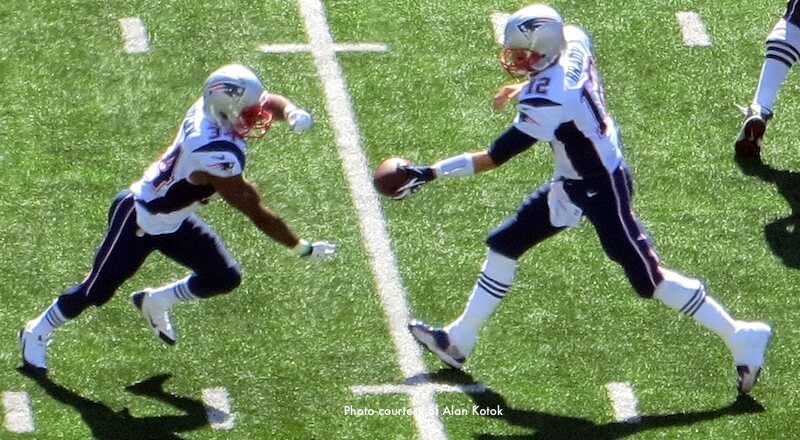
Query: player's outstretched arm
(283, 109)
(507, 145)
(465, 164)
(242, 195)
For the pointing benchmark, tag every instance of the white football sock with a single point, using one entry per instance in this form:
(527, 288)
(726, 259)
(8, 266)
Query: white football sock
(49, 320)
(783, 51)
(494, 281)
(173, 293)
(773, 73)
(688, 296)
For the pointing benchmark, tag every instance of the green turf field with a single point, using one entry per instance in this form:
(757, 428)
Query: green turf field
(80, 119)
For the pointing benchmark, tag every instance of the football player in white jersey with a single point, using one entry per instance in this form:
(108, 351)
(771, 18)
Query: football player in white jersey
(783, 51)
(157, 213)
(562, 103)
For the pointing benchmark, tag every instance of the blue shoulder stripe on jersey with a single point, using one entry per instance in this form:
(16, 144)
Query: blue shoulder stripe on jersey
(539, 102)
(225, 146)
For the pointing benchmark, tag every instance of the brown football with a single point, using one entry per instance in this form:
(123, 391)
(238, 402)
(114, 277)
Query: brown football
(389, 177)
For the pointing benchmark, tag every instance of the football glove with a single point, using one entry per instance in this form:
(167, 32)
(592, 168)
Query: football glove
(299, 120)
(318, 249)
(418, 176)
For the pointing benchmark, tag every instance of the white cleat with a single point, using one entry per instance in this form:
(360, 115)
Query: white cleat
(34, 351)
(157, 317)
(438, 342)
(748, 345)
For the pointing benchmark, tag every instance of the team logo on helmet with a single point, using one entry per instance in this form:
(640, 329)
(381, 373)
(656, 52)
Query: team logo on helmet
(528, 27)
(230, 89)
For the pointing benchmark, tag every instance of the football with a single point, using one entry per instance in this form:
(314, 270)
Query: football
(389, 177)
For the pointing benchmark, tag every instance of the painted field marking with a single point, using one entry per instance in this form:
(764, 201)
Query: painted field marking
(296, 48)
(218, 408)
(499, 20)
(134, 32)
(19, 416)
(370, 217)
(407, 388)
(693, 29)
(624, 402)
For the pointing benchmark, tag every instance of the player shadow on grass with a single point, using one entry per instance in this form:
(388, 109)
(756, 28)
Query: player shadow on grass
(782, 235)
(107, 424)
(549, 426)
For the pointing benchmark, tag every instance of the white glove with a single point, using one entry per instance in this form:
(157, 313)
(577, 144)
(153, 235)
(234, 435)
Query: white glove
(318, 249)
(323, 250)
(299, 120)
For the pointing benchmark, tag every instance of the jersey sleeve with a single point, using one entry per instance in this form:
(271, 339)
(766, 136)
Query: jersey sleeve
(510, 143)
(539, 118)
(220, 158)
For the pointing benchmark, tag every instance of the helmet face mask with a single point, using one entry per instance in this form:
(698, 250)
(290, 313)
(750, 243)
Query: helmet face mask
(532, 41)
(253, 122)
(519, 62)
(234, 99)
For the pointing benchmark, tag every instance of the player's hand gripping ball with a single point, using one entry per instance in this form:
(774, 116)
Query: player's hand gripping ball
(389, 176)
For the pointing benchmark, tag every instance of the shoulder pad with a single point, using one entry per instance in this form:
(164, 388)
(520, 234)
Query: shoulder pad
(539, 121)
(220, 158)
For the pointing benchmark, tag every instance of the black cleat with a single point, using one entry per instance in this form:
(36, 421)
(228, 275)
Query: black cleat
(748, 143)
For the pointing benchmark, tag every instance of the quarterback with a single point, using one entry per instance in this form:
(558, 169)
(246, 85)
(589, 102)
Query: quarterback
(158, 212)
(562, 103)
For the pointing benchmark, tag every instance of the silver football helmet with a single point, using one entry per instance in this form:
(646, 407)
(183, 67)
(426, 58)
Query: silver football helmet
(533, 40)
(234, 99)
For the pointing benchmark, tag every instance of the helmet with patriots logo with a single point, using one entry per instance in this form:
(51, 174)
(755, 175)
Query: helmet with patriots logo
(233, 97)
(533, 40)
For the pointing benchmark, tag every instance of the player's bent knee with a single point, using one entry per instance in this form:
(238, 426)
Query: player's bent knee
(227, 280)
(219, 283)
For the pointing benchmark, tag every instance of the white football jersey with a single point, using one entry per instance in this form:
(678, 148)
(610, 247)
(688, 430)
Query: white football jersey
(564, 105)
(164, 196)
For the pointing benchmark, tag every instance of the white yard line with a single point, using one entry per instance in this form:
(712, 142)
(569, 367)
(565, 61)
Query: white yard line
(693, 29)
(473, 388)
(371, 221)
(134, 32)
(624, 402)
(297, 48)
(19, 415)
(218, 408)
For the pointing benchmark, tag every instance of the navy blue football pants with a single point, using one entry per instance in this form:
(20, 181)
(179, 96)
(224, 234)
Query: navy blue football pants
(606, 203)
(125, 247)
(792, 14)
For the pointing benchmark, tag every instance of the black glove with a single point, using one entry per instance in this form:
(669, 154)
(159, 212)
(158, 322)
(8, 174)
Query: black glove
(417, 176)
